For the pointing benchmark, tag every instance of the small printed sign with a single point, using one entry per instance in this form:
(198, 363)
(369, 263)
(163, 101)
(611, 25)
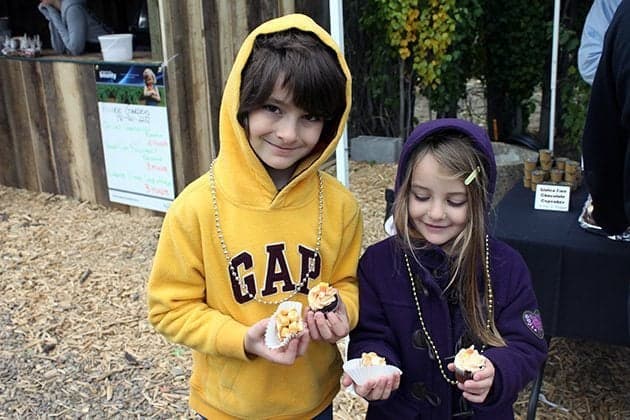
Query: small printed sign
(552, 197)
(135, 132)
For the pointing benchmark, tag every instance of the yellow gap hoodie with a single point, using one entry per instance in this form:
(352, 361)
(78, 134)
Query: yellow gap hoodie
(269, 235)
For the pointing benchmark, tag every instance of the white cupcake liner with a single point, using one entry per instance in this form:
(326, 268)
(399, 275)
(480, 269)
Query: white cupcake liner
(361, 374)
(271, 334)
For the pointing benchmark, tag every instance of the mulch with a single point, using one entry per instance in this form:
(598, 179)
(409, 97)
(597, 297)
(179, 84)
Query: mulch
(75, 341)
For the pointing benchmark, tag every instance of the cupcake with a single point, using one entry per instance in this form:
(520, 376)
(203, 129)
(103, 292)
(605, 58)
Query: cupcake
(369, 366)
(467, 362)
(285, 324)
(372, 359)
(288, 323)
(323, 298)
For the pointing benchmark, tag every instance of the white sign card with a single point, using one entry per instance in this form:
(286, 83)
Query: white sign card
(135, 134)
(552, 197)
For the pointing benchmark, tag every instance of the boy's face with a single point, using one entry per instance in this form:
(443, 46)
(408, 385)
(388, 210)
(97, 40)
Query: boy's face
(438, 203)
(281, 133)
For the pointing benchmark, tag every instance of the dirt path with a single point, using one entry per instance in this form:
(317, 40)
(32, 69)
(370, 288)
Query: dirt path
(75, 343)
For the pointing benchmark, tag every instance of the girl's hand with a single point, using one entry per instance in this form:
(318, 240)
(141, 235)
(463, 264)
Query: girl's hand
(329, 326)
(376, 389)
(254, 344)
(476, 389)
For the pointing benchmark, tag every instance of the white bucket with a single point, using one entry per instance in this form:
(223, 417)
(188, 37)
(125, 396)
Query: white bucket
(116, 47)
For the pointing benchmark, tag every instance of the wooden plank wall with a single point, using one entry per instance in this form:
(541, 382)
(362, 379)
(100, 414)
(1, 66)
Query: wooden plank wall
(49, 138)
(49, 128)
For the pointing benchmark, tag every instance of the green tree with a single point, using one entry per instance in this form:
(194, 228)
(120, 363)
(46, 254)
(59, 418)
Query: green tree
(406, 47)
(514, 47)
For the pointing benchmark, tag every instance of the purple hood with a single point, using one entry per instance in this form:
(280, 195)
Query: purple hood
(478, 134)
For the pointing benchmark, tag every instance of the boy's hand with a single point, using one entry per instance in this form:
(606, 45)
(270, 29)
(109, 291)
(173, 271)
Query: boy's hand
(476, 389)
(254, 344)
(329, 326)
(380, 388)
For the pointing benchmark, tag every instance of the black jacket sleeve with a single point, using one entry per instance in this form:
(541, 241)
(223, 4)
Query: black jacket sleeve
(607, 130)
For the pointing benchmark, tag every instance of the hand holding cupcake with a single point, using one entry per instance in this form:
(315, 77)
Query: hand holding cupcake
(326, 318)
(371, 376)
(285, 324)
(467, 362)
(323, 298)
(281, 338)
(474, 373)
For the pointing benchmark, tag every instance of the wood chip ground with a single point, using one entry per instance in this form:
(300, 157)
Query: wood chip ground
(75, 341)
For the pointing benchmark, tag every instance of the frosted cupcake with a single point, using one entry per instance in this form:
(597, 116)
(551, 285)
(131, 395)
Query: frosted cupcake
(323, 298)
(369, 366)
(288, 323)
(372, 359)
(285, 324)
(467, 363)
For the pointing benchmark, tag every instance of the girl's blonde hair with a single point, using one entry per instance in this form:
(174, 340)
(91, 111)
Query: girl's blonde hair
(456, 154)
(148, 73)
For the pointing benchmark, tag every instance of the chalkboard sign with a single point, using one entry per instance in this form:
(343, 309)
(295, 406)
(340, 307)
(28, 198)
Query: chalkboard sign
(135, 133)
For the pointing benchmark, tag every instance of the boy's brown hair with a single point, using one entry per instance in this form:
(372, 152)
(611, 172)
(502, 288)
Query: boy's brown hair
(307, 68)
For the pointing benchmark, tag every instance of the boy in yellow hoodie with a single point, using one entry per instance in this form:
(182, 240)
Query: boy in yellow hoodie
(263, 226)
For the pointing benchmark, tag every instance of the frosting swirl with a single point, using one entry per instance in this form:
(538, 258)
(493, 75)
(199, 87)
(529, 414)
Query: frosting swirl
(469, 360)
(372, 359)
(321, 296)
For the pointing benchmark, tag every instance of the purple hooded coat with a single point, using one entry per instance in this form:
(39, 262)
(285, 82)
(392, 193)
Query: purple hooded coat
(389, 322)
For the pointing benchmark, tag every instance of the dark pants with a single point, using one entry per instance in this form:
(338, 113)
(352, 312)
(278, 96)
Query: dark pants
(327, 414)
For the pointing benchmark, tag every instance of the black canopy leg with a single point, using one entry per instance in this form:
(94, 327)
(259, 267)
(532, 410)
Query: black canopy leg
(533, 398)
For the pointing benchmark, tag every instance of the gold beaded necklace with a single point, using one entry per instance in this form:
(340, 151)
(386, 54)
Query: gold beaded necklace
(228, 257)
(425, 331)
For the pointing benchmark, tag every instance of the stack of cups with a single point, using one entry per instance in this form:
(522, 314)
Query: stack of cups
(572, 173)
(538, 177)
(545, 156)
(544, 168)
(529, 166)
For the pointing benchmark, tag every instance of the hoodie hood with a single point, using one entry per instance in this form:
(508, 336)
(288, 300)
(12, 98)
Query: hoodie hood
(253, 185)
(479, 136)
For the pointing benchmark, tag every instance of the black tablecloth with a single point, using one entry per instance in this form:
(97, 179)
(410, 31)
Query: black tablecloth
(581, 279)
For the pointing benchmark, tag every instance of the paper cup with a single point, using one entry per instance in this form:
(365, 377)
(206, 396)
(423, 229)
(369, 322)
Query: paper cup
(361, 374)
(560, 162)
(557, 175)
(530, 164)
(271, 334)
(116, 47)
(538, 176)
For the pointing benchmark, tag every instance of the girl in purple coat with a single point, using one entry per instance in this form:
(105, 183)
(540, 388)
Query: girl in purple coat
(441, 284)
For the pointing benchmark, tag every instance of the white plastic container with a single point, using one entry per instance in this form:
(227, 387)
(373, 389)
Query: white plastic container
(116, 47)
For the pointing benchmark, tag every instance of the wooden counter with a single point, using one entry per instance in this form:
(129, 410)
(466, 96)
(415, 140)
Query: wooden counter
(49, 127)
(50, 138)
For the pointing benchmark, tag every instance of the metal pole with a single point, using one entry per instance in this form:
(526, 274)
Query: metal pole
(336, 30)
(554, 72)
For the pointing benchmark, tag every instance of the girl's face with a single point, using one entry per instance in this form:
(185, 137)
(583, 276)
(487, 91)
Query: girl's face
(438, 206)
(281, 133)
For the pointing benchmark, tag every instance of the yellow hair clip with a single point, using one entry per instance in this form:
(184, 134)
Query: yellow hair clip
(472, 176)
